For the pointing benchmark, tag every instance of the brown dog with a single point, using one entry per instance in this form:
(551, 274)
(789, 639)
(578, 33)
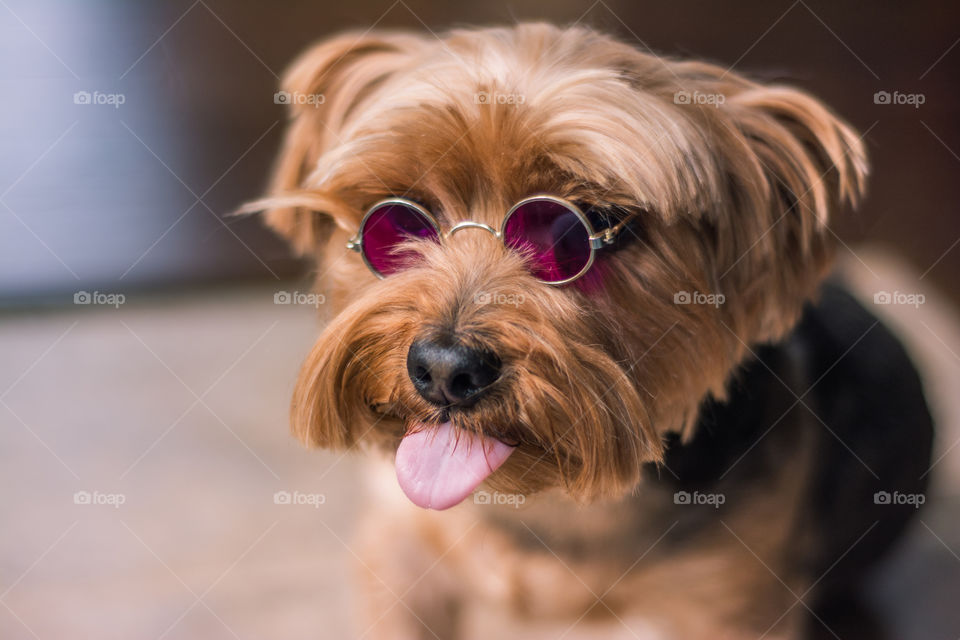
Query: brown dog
(567, 254)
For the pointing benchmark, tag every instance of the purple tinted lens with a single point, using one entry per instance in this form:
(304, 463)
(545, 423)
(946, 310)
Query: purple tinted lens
(385, 231)
(553, 236)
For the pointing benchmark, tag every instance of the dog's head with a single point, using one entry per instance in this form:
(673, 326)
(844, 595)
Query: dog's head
(723, 187)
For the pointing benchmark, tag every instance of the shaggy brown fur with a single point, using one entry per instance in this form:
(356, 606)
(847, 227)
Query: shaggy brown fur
(734, 196)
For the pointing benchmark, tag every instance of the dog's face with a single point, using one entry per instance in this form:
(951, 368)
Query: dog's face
(726, 187)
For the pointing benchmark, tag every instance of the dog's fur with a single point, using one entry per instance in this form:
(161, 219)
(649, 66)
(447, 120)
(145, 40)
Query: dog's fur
(617, 396)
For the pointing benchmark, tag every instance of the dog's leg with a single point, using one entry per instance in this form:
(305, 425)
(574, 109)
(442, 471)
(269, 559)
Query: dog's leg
(407, 591)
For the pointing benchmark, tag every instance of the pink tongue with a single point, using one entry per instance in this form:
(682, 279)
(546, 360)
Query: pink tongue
(437, 469)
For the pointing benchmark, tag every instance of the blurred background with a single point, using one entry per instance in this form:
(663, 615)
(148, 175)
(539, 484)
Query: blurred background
(145, 368)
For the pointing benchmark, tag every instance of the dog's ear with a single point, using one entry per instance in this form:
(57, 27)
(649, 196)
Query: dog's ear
(324, 87)
(791, 165)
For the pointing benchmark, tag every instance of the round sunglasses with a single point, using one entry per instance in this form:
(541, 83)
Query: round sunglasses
(554, 234)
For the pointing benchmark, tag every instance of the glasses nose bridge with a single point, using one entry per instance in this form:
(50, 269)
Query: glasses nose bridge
(470, 224)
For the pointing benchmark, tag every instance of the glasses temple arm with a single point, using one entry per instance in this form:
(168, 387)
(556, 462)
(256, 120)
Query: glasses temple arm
(607, 236)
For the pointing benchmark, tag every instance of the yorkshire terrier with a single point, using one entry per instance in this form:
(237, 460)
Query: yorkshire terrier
(581, 291)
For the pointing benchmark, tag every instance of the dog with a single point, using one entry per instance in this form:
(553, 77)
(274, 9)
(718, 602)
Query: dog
(589, 286)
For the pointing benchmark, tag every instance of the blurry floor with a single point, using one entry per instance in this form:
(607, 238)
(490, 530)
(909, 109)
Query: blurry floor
(176, 406)
(179, 405)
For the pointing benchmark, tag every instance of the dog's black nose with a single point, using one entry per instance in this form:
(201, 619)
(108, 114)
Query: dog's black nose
(448, 373)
